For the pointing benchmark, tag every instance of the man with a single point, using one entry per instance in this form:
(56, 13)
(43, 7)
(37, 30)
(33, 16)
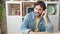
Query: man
(37, 21)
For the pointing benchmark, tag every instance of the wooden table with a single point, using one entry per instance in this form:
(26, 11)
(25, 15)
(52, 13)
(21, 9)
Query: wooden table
(37, 33)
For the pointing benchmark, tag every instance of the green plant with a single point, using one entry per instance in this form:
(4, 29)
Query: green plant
(1, 16)
(1, 10)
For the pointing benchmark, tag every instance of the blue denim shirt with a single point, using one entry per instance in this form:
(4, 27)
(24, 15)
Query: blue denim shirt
(29, 24)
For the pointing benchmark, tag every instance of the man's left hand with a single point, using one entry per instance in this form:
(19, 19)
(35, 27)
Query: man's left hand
(44, 13)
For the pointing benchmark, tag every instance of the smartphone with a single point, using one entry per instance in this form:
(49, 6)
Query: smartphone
(42, 14)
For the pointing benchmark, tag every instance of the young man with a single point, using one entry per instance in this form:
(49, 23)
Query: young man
(37, 21)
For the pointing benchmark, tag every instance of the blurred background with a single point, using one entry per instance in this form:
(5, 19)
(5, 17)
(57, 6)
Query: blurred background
(12, 12)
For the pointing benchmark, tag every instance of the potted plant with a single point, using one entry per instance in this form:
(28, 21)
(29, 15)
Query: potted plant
(1, 16)
(1, 11)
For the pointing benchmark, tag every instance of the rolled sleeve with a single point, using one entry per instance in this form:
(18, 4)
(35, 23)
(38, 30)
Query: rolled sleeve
(49, 27)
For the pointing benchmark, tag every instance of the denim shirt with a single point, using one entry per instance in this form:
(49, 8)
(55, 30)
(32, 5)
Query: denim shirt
(29, 24)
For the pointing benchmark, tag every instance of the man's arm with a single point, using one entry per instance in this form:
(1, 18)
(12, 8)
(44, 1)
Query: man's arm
(23, 27)
(48, 26)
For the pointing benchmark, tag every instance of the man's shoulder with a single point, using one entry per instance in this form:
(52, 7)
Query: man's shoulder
(31, 13)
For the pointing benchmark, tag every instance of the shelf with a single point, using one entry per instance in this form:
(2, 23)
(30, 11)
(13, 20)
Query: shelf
(13, 8)
(52, 7)
(22, 6)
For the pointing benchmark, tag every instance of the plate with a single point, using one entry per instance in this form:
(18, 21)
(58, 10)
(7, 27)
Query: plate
(50, 9)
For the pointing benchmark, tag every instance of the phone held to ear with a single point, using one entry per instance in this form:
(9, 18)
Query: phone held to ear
(43, 13)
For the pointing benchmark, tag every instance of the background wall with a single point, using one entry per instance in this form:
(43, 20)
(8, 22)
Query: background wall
(59, 16)
(4, 23)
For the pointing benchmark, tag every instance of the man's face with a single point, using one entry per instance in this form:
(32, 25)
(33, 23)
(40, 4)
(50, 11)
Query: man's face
(38, 10)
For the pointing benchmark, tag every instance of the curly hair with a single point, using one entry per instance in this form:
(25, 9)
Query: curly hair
(41, 3)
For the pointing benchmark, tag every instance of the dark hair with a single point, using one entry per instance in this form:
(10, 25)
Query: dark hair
(41, 3)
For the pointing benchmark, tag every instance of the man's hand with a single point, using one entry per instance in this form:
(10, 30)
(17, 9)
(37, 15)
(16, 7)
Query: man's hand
(44, 14)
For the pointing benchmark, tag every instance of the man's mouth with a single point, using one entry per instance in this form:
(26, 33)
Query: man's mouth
(39, 14)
